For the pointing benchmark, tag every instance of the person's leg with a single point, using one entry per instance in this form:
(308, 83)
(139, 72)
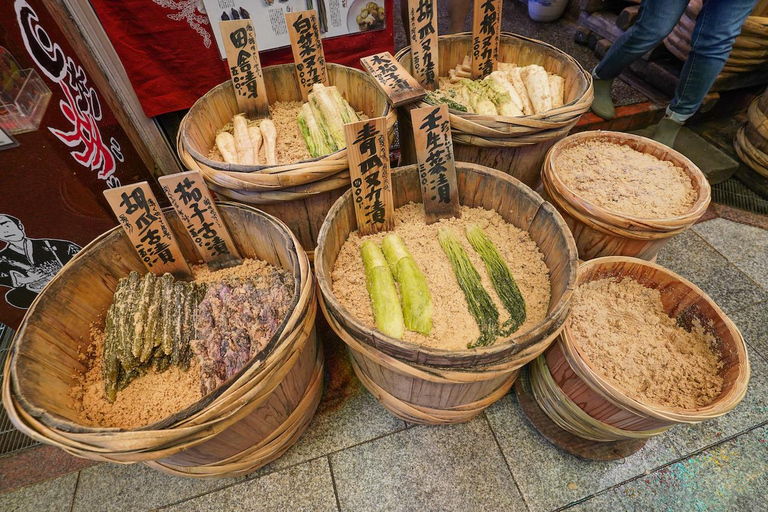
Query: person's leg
(457, 14)
(717, 26)
(656, 20)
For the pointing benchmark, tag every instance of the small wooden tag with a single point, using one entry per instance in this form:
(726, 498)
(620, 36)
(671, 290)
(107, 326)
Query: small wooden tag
(137, 210)
(437, 170)
(193, 202)
(307, 50)
(392, 79)
(422, 17)
(245, 67)
(486, 33)
(368, 152)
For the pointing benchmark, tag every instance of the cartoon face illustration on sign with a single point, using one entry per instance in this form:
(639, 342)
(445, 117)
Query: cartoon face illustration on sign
(27, 264)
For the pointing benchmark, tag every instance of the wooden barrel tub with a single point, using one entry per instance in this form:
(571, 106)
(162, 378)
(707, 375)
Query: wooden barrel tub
(751, 141)
(246, 423)
(587, 404)
(514, 145)
(301, 193)
(600, 232)
(436, 386)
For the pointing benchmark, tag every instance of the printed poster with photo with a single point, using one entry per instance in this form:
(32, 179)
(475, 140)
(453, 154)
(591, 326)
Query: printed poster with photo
(335, 17)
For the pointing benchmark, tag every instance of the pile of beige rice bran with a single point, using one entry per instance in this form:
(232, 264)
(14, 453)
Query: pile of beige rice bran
(623, 180)
(630, 340)
(453, 326)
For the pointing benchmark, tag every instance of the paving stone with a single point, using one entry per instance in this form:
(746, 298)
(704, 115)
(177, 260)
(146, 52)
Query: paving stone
(348, 414)
(690, 256)
(543, 472)
(751, 411)
(456, 467)
(753, 323)
(608, 501)
(745, 246)
(136, 487)
(308, 486)
(731, 476)
(53, 495)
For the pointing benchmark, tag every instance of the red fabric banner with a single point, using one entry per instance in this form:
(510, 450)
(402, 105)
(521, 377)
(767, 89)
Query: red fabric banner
(170, 55)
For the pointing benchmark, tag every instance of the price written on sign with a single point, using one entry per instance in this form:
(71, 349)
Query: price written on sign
(193, 202)
(308, 55)
(486, 32)
(138, 212)
(392, 79)
(423, 22)
(437, 170)
(368, 151)
(245, 67)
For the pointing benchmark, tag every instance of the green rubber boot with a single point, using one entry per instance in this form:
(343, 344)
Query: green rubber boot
(603, 103)
(666, 132)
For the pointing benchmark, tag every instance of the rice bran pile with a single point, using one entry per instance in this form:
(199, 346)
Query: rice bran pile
(624, 332)
(453, 326)
(623, 180)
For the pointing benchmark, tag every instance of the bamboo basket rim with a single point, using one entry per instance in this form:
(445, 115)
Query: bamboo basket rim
(615, 394)
(749, 154)
(255, 367)
(502, 345)
(184, 128)
(608, 218)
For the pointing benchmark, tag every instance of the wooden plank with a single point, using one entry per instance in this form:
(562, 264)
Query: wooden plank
(392, 79)
(627, 17)
(82, 28)
(437, 169)
(602, 47)
(138, 212)
(368, 152)
(422, 20)
(603, 24)
(582, 35)
(192, 200)
(486, 34)
(307, 50)
(245, 67)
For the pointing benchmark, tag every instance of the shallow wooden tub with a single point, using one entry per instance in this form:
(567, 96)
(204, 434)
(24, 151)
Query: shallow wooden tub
(433, 386)
(246, 423)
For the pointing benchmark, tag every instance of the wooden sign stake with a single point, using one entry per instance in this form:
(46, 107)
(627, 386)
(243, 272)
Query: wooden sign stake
(486, 33)
(368, 151)
(422, 17)
(437, 170)
(192, 200)
(307, 50)
(245, 67)
(392, 79)
(138, 212)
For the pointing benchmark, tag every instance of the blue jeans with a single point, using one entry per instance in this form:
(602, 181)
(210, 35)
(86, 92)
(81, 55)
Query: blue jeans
(717, 26)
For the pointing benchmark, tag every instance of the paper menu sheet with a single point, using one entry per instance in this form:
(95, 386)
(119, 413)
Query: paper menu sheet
(336, 18)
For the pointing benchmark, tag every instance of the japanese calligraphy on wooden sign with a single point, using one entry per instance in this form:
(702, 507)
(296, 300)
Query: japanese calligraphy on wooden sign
(193, 202)
(368, 150)
(437, 171)
(307, 49)
(392, 79)
(245, 67)
(486, 32)
(422, 17)
(138, 212)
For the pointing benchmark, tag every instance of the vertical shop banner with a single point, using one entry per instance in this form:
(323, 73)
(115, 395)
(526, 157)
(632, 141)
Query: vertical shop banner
(307, 50)
(245, 67)
(486, 34)
(51, 185)
(422, 18)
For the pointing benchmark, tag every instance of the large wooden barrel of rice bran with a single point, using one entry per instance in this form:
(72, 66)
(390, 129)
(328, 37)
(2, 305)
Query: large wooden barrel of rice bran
(247, 422)
(587, 404)
(514, 145)
(299, 193)
(437, 386)
(601, 232)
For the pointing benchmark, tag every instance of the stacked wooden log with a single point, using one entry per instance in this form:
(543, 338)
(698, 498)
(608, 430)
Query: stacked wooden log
(751, 140)
(604, 21)
(750, 51)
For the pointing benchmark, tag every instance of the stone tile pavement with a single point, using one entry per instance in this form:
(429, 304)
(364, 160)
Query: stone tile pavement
(356, 456)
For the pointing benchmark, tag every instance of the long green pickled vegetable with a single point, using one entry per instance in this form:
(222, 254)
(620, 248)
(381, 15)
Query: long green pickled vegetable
(414, 293)
(501, 277)
(480, 304)
(382, 291)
